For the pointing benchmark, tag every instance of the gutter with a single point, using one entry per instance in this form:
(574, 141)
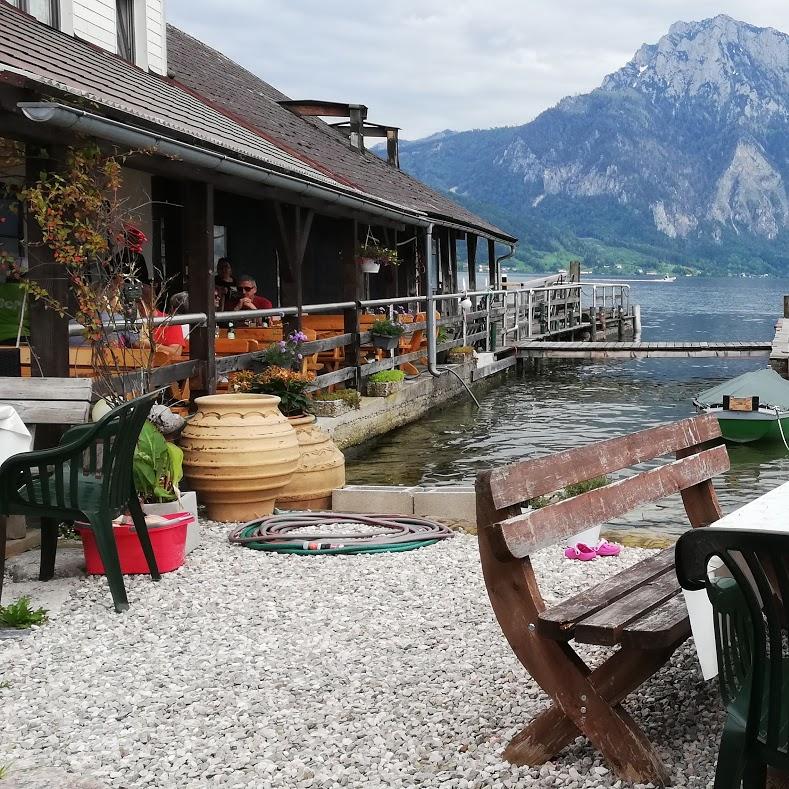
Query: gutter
(63, 116)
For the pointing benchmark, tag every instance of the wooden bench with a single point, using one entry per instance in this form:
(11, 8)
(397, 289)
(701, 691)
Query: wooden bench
(640, 610)
(43, 401)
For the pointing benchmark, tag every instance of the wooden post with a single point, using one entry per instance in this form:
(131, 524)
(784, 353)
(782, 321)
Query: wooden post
(493, 279)
(443, 253)
(351, 290)
(786, 306)
(453, 262)
(471, 251)
(49, 337)
(574, 271)
(198, 217)
(295, 224)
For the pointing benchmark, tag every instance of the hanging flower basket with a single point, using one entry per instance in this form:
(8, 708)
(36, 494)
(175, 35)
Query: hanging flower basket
(370, 265)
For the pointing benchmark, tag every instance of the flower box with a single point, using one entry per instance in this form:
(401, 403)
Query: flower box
(383, 388)
(331, 408)
(370, 265)
(386, 342)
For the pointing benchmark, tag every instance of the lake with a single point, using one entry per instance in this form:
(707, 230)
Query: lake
(574, 403)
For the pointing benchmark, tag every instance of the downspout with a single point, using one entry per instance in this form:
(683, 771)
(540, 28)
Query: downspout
(503, 257)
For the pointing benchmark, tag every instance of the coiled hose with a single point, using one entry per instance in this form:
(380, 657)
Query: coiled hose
(281, 533)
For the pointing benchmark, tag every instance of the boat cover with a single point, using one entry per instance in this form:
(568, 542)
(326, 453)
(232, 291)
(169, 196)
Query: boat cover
(767, 385)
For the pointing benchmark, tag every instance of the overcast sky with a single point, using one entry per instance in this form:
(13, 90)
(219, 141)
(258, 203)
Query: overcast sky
(427, 65)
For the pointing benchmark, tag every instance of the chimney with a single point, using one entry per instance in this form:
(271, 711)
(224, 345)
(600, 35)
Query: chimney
(355, 113)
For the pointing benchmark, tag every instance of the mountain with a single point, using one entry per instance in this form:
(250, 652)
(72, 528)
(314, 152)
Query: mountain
(679, 159)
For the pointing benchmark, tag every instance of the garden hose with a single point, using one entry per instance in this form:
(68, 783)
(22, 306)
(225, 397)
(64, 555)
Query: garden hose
(281, 533)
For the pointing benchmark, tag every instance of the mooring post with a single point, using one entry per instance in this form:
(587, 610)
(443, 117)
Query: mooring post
(786, 306)
(621, 324)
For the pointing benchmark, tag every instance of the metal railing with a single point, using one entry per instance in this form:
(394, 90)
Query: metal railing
(495, 319)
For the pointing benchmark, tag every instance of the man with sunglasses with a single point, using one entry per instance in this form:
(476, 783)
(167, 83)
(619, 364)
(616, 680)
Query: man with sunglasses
(249, 299)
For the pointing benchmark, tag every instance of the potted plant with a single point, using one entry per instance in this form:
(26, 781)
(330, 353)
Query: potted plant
(386, 334)
(334, 404)
(385, 383)
(371, 257)
(462, 354)
(321, 466)
(157, 470)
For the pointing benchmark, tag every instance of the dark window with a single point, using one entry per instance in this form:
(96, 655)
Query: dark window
(45, 11)
(125, 22)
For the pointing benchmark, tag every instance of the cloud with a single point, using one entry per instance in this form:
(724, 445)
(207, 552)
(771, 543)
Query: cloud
(426, 65)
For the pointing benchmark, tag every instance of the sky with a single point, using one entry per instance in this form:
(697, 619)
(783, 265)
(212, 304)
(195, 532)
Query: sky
(429, 65)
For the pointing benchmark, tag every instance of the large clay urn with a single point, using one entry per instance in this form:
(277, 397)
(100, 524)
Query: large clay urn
(321, 468)
(239, 454)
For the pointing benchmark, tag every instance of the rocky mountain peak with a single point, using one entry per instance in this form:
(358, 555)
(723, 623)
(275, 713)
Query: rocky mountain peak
(720, 61)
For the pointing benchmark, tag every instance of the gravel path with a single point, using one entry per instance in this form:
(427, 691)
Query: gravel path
(253, 670)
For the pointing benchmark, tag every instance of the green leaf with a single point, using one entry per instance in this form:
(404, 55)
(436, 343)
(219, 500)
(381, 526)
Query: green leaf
(163, 495)
(176, 456)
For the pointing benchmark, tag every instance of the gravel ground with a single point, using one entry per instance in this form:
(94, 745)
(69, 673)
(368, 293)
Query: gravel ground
(246, 669)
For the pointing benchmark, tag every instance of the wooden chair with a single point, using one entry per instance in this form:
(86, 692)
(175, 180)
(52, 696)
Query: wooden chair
(640, 610)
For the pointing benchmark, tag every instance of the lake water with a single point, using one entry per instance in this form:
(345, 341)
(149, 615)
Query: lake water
(572, 403)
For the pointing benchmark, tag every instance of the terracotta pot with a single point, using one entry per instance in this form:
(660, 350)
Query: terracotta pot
(321, 468)
(239, 454)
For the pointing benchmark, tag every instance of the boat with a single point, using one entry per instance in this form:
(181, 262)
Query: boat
(751, 407)
(668, 279)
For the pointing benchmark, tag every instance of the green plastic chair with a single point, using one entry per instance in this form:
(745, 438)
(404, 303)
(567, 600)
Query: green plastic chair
(751, 631)
(87, 477)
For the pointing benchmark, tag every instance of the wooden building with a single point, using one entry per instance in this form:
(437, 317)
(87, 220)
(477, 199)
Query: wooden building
(231, 165)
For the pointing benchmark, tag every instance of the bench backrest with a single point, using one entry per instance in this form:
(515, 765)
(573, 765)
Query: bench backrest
(502, 491)
(48, 401)
(324, 322)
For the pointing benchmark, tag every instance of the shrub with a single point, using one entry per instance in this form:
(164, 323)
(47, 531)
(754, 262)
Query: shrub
(385, 376)
(285, 353)
(387, 328)
(350, 396)
(20, 615)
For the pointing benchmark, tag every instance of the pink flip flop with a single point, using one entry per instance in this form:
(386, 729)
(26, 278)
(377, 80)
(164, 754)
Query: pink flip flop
(581, 552)
(605, 548)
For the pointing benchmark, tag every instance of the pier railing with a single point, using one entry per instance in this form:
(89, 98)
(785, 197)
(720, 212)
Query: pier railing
(490, 320)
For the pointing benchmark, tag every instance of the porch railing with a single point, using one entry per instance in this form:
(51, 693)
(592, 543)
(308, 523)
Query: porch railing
(495, 319)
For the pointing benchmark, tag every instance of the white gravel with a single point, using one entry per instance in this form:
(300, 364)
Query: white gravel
(246, 669)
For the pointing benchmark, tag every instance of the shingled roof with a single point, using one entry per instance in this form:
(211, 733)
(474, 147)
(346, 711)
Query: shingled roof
(210, 74)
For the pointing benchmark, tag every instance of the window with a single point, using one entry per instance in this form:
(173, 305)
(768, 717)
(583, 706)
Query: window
(45, 11)
(124, 12)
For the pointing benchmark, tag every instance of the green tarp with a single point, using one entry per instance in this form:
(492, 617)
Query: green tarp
(767, 385)
(11, 298)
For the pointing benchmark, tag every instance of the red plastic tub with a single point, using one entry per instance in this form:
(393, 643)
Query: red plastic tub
(168, 541)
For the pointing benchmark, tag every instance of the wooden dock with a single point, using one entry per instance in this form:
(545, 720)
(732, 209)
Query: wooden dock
(639, 350)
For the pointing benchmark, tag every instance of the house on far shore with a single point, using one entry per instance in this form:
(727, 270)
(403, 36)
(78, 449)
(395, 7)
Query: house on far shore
(231, 166)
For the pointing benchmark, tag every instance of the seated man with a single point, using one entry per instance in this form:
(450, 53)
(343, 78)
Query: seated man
(249, 299)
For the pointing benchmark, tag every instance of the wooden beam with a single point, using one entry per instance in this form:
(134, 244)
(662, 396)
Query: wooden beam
(198, 234)
(471, 252)
(329, 109)
(493, 279)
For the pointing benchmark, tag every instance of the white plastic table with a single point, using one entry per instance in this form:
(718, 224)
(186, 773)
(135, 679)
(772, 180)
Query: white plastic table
(769, 512)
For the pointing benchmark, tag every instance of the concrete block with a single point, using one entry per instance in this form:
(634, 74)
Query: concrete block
(384, 499)
(454, 505)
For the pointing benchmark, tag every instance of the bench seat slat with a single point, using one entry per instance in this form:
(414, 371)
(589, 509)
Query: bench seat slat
(525, 534)
(520, 482)
(559, 621)
(666, 625)
(606, 626)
